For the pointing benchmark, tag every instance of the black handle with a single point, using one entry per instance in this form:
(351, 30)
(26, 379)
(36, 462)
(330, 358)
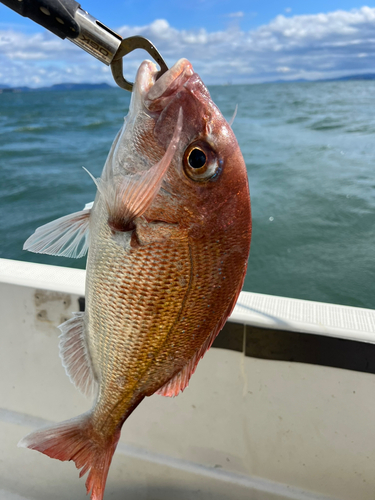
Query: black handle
(56, 16)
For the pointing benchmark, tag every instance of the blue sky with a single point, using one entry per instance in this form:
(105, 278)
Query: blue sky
(226, 40)
(213, 15)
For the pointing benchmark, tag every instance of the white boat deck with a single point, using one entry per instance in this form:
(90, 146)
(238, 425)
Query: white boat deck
(266, 311)
(245, 428)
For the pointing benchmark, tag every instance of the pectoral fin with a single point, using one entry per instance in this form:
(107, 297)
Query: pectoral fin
(66, 237)
(129, 196)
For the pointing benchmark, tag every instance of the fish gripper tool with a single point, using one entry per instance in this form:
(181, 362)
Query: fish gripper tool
(66, 19)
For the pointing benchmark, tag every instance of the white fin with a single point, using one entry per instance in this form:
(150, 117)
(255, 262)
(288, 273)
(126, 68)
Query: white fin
(234, 116)
(67, 236)
(128, 197)
(75, 355)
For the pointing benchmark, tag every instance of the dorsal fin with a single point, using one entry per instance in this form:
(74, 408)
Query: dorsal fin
(75, 355)
(67, 236)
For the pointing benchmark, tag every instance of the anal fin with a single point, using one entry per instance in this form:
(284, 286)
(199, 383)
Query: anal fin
(180, 381)
(75, 355)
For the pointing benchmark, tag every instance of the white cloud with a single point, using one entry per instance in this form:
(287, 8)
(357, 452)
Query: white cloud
(283, 69)
(308, 46)
(236, 14)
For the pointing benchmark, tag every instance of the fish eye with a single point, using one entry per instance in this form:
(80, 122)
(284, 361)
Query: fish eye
(197, 158)
(200, 161)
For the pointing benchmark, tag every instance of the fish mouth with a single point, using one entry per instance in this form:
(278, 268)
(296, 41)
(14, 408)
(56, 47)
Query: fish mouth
(157, 93)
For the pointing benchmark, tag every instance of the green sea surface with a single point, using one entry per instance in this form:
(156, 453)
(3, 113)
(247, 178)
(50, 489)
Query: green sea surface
(310, 155)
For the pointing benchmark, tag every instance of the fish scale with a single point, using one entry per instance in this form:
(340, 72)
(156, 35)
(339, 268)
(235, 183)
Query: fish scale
(130, 318)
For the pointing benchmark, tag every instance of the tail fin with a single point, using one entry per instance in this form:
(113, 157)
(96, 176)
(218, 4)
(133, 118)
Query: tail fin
(76, 440)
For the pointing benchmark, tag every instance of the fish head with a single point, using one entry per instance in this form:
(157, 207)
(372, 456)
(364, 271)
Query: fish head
(205, 187)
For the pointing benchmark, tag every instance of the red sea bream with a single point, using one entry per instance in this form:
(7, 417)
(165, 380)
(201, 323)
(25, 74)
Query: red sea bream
(168, 239)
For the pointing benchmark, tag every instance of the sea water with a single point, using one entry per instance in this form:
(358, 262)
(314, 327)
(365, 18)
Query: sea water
(309, 149)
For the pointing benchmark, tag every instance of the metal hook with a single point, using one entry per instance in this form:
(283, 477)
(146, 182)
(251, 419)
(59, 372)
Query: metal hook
(128, 45)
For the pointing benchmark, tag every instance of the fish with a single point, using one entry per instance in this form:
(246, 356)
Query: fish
(168, 240)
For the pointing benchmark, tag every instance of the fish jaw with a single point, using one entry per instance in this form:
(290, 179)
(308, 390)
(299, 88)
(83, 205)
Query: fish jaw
(152, 94)
(167, 86)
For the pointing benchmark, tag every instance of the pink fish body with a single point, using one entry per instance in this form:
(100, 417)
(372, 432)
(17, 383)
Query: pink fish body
(169, 238)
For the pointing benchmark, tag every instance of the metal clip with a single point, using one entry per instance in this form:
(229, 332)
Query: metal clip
(128, 45)
(96, 38)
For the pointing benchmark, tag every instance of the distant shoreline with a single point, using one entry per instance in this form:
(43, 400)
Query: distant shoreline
(106, 86)
(57, 87)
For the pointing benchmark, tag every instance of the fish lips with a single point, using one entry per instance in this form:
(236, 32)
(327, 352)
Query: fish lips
(179, 87)
(157, 93)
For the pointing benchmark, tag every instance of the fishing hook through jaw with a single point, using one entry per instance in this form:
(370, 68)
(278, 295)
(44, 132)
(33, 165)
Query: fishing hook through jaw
(128, 45)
